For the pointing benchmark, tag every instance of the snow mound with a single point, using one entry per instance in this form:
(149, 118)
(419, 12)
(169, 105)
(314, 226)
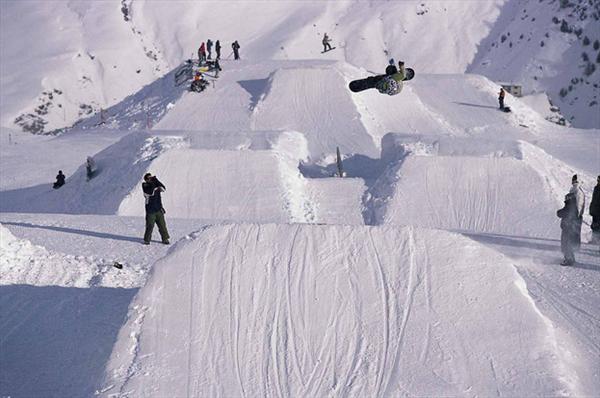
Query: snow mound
(332, 310)
(316, 102)
(500, 195)
(247, 185)
(22, 262)
(119, 169)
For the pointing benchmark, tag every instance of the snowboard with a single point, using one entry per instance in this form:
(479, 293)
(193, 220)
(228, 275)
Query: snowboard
(505, 109)
(371, 81)
(332, 48)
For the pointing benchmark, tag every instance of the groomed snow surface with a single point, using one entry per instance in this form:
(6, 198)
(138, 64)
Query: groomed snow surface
(432, 269)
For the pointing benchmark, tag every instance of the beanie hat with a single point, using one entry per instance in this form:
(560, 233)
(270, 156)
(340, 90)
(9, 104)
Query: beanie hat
(574, 179)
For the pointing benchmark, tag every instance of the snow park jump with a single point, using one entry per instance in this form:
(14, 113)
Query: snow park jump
(322, 199)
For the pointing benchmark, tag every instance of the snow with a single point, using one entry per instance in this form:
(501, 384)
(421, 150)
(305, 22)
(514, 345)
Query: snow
(430, 269)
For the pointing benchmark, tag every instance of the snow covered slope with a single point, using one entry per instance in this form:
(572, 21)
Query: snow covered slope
(326, 310)
(91, 55)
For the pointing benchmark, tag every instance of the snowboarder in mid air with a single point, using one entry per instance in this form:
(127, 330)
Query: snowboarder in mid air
(60, 180)
(390, 83)
(155, 213)
(236, 48)
(325, 41)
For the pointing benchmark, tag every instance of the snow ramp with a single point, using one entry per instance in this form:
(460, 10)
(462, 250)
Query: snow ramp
(308, 310)
(316, 102)
(252, 177)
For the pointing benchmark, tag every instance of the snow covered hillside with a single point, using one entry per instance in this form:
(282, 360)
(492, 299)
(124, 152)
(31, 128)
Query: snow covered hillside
(100, 52)
(432, 268)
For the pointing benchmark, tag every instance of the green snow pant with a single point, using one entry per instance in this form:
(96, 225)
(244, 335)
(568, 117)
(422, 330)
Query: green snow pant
(157, 218)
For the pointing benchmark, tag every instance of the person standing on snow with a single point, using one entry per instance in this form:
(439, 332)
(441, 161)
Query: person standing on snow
(569, 225)
(501, 98)
(209, 44)
(60, 180)
(595, 213)
(236, 47)
(218, 49)
(580, 203)
(201, 53)
(325, 41)
(155, 213)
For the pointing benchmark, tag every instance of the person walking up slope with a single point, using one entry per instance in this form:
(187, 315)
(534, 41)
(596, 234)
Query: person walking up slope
(236, 48)
(155, 213)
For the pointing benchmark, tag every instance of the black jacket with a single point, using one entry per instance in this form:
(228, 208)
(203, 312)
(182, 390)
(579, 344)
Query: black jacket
(60, 179)
(152, 190)
(595, 205)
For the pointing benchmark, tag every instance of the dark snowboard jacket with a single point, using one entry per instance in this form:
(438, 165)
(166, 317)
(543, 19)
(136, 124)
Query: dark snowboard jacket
(152, 190)
(595, 204)
(209, 44)
(218, 45)
(60, 179)
(235, 46)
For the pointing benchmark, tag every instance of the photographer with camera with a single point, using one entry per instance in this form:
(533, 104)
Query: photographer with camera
(155, 214)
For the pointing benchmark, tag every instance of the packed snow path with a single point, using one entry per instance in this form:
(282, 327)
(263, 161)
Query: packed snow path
(291, 310)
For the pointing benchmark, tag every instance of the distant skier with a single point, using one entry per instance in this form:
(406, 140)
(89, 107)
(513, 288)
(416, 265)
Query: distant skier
(201, 53)
(501, 98)
(155, 213)
(325, 41)
(217, 67)
(209, 45)
(60, 180)
(218, 49)
(595, 213)
(90, 167)
(236, 48)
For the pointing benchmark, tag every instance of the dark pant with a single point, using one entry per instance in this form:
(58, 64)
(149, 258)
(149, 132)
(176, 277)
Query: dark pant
(157, 218)
(501, 101)
(236, 55)
(567, 246)
(326, 46)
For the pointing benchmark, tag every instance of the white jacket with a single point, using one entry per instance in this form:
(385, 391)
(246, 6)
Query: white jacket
(580, 198)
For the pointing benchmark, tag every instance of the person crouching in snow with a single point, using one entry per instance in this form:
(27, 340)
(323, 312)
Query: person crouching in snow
(155, 213)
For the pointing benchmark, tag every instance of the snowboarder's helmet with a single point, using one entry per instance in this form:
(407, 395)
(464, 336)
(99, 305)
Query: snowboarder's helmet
(574, 179)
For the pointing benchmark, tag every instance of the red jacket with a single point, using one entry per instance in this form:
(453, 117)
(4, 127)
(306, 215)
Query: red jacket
(202, 48)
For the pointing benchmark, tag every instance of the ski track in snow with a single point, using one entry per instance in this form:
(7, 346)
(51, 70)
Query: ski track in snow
(304, 310)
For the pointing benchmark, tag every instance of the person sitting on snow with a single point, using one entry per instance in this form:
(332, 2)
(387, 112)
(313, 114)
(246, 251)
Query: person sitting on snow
(60, 180)
(199, 83)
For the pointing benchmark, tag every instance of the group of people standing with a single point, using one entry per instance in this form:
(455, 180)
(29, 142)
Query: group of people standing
(205, 50)
(571, 219)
